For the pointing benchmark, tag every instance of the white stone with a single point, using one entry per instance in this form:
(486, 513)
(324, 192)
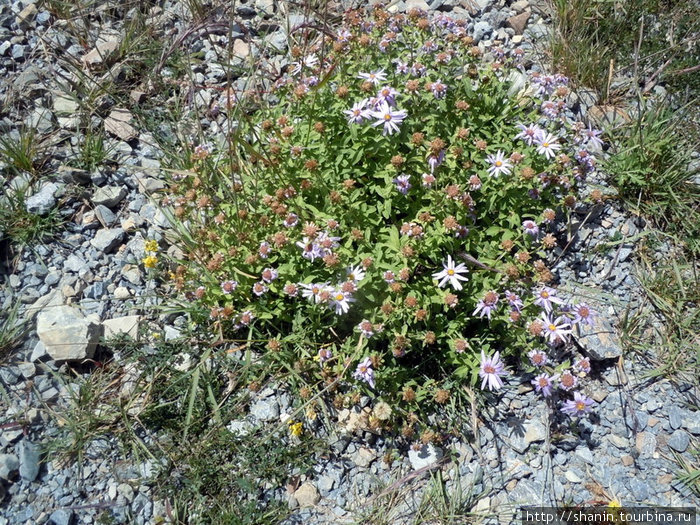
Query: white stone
(67, 334)
(307, 495)
(128, 325)
(425, 456)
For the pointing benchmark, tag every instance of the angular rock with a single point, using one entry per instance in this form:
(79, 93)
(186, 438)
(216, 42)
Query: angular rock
(43, 201)
(100, 53)
(364, 457)
(417, 4)
(67, 334)
(426, 455)
(241, 49)
(107, 239)
(28, 460)
(64, 105)
(61, 517)
(600, 341)
(106, 216)
(71, 175)
(679, 441)
(117, 123)
(307, 495)
(518, 22)
(128, 325)
(9, 463)
(109, 196)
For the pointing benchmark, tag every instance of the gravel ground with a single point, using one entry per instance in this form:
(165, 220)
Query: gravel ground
(87, 282)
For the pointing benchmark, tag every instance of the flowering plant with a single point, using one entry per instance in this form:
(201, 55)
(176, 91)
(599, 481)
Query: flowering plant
(387, 221)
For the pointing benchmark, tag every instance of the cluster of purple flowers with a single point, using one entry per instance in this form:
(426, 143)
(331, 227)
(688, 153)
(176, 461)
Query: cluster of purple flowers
(322, 245)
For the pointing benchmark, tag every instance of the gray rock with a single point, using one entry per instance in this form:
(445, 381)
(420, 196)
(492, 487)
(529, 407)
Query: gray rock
(481, 30)
(601, 340)
(417, 4)
(109, 196)
(674, 417)
(72, 175)
(128, 325)
(240, 427)
(9, 463)
(41, 119)
(67, 334)
(424, 456)
(692, 424)
(75, 264)
(44, 200)
(679, 441)
(639, 488)
(265, 409)
(107, 239)
(28, 460)
(62, 517)
(18, 51)
(106, 216)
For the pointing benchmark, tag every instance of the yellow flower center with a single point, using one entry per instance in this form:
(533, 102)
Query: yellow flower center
(499, 164)
(450, 272)
(543, 382)
(580, 405)
(387, 117)
(552, 327)
(339, 297)
(545, 144)
(544, 295)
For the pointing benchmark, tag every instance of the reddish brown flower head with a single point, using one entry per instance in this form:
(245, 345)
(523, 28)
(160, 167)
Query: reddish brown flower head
(429, 338)
(451, 300)
(417, 139)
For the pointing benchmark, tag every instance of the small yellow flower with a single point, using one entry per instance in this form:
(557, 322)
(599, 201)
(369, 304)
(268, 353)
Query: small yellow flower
(155, 335)
(151, 246)
(296, 429)
(150, 261)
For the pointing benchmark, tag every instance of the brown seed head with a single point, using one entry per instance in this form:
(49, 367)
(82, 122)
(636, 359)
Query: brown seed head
(417, 139)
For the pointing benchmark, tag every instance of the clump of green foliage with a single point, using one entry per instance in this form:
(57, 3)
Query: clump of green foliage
(382, 227)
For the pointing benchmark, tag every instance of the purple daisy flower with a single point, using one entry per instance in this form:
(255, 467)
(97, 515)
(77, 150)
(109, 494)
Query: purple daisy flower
(487, 305)
(358, 113)
(259, 288)
(543, 384)
(567, 380)
(364, 372)
(531, 228)
(401, 67)
(491, 371)
(402, 183)
(538, 357)
(514, 300)
(545, 297)
(324, 354)
(529, 133)
(583, 365)
(439, 89)
(584, 314)
(578, 406)
(228, 286)
(388, 117)
(269, 275)
(434, 161)
(388, 95)
(428, 179)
